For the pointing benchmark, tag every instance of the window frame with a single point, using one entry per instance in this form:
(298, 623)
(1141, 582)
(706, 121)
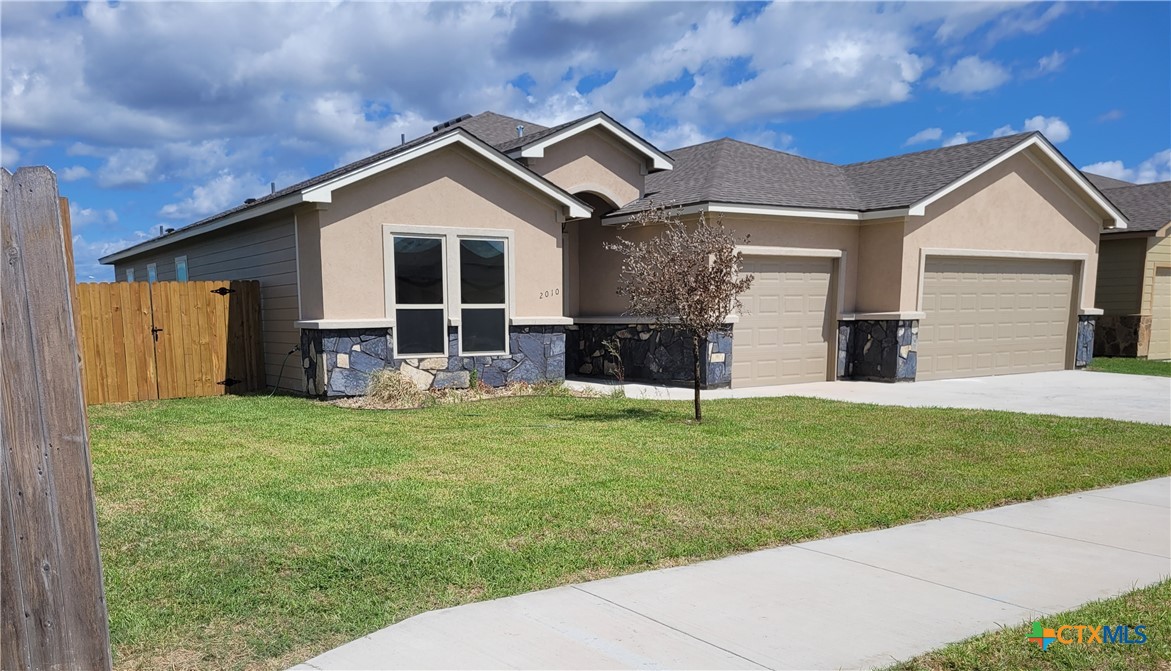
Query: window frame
(452, 302)
(181, 277)
(392, 300)
(130, 274)
(152, 272)
(460, 306)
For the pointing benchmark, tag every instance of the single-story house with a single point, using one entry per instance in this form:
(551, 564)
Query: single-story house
(1134, 273)
(479, 247)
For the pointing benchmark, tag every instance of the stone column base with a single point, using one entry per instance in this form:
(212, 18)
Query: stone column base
(881, 350)
(1084, 352)
(1122, 335)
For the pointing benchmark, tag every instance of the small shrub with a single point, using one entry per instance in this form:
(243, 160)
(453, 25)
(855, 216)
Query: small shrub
(614, 351)
(389, 388)
(617, 393)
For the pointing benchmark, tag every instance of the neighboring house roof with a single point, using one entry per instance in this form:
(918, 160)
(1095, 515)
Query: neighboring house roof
(319, 188)
(532, 145)
(1146, 206)
(1103, 182)
(729, 172)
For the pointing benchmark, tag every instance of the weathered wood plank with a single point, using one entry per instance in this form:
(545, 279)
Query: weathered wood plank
(54, 604)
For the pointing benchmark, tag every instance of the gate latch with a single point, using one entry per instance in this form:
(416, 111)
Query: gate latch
(223, 291)
(155, 331)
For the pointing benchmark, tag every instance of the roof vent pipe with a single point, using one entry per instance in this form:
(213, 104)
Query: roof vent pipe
(402, 138)
(520, 131)
(272, 187)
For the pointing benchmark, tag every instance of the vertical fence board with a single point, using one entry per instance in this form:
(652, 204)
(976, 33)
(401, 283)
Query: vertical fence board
(52, 609)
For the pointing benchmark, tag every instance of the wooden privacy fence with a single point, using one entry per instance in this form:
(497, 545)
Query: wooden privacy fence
(156, 340)
(52, 600)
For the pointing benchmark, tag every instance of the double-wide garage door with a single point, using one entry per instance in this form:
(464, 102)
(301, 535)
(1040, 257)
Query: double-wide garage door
(784, 332)
(995, 316)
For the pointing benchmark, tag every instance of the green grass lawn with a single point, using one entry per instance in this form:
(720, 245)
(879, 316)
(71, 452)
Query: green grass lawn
(1009, 650)
(249, 532)
(1131, 366)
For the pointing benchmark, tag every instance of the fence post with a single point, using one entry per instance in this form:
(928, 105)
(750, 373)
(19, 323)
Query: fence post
(52, 598)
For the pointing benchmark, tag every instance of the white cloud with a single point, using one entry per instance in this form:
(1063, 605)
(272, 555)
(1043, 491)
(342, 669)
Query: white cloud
(74, 173)
(86, 253)
(224, 191)
(925, 135)
(971, 74)
(9, 157)
(958, 138)
(1111, 115)
(1157, 168)
(86, 216)
(1050, 63)
(128, 167)
(1051, 127)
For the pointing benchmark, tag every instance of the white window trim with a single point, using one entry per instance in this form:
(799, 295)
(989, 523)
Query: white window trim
(451, 277)
(391, 300)
(460, 305)
(152, 272)
(130, 274)
(186, 269)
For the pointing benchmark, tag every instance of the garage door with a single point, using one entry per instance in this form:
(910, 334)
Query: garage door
(994, 316)
(1160, 347)
(783, 335)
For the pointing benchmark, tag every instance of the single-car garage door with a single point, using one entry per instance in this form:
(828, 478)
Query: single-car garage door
(1160, 347)
(783, 335)
(994, 316)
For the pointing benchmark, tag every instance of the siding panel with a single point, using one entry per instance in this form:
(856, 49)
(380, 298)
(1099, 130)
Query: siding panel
(1120, 276)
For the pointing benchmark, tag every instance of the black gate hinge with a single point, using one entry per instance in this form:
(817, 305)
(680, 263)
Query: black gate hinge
(227, 382)
(223, 291)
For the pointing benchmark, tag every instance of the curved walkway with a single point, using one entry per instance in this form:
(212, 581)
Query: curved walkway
(857, 601)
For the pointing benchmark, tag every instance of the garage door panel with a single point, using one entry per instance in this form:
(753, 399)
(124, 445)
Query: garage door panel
(1160, 342)
(992, 316)
(788, 340)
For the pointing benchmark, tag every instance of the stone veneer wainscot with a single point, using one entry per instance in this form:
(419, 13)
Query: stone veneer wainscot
(649, 352)
(339, 362)
(882, 350)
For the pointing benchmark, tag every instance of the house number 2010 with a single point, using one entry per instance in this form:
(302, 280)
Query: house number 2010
(548, 293)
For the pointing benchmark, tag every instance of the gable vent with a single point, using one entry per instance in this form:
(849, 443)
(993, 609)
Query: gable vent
(450, 122)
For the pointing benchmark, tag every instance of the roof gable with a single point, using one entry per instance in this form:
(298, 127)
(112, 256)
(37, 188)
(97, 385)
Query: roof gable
(533, 145)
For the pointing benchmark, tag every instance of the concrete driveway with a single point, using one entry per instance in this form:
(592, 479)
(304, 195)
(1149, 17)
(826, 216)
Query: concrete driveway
(857, 601)
(1071, 393)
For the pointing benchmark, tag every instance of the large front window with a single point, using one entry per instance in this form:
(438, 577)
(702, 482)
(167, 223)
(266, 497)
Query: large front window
(438, 274)
(420, 316)
(483, 308)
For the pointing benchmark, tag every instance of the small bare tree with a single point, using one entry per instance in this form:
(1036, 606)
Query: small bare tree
(686, 276)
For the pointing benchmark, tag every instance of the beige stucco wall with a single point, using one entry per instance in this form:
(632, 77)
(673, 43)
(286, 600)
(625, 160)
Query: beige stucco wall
(1013, 207)
(451, 188)
(594, 161)
(1158, 254)
(308, 219)
(599, 268)
(880, 266)
(1119, 286)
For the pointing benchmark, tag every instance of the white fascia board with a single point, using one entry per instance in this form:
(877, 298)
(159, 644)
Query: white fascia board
(775, 211)
(1119, 221)
(659, 160)
(323, 193)
(232, 219)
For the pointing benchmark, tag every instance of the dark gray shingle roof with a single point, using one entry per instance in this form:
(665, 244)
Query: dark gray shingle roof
(1103, 182)
(730, 171)
(901, 181)
(1147, 206)
(487, 127)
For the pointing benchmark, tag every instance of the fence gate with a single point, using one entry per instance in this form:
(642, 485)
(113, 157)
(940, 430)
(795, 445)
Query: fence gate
(151, 340)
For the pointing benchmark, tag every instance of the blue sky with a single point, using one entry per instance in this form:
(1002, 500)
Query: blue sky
(163, 113)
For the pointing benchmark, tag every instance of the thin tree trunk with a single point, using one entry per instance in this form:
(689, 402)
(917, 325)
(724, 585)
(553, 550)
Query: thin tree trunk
(695, 350)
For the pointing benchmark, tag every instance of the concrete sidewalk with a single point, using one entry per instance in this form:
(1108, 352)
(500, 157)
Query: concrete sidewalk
(1069, 393)
(857, 601)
